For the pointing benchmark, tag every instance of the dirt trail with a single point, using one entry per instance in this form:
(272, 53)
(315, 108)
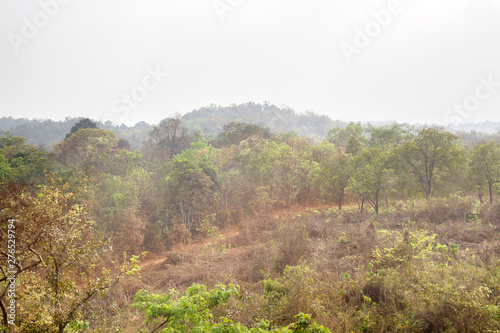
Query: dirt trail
(220, 238)
(195, 247)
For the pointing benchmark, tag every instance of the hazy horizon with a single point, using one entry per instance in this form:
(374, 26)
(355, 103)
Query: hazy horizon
(405, 61)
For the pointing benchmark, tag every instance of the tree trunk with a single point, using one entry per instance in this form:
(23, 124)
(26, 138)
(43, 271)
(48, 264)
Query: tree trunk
(4, 313)
(490, 187)
(428, 190)
(341, 195)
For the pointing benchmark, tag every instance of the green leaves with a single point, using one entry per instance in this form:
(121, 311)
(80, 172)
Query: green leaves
(54, 236)
(192, 313)
(189, 313)
(485, 168)
(429, 154)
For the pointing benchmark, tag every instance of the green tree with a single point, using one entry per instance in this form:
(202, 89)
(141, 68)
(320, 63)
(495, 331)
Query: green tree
(192, 185)
(235, 132)
(82, 124)
(52, 234)
(340, 136)
(387, 136)
(430, 154)
(485, 167)
(281, 167)
(21, 162)
(166, 140)
(372, 176)
(332, 174)
(354, 146)
(87, 149)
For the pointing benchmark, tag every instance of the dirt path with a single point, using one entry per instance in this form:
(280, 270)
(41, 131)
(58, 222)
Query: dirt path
(195, 247)
(220, 238)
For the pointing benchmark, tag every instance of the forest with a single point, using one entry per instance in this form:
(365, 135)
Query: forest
(250, 228)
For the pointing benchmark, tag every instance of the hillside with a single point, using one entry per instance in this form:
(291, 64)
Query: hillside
(211, 119)
(256, 234)
(353, 271)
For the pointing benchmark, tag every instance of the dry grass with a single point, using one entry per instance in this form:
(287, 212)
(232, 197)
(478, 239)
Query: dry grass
(331, 253)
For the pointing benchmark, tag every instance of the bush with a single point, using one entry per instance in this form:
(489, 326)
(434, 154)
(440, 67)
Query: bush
(441, 210)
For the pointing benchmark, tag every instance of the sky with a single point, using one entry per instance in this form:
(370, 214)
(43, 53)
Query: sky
(426, 61)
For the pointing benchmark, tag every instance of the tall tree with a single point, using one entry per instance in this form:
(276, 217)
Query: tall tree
(385, 136)
(22, 162)
(485, 166)
(430, 153)
(332, 174)
(87, 148)
(340, 136)
(192, 185)
(166, 140)
(82, 124)
(371, 178)
(53, 235)
(235, 132)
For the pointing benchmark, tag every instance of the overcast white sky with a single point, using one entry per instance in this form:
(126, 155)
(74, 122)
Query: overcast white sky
(429, 57)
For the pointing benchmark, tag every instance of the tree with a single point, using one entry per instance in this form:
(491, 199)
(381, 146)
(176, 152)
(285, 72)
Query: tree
(21, 162)
(116, 208)
(87, 148)
(372, 175)
(192, 185)
(124, 144)
(340, 136)
(282, 168)
(53, 235)
(485, 167)
(167, 140)
(353, 145)
(331, 177)
(82, 124)
(385, 136)
(429, 154)
(235, 132)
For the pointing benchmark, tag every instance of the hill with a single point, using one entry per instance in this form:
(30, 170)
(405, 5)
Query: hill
(211, 119)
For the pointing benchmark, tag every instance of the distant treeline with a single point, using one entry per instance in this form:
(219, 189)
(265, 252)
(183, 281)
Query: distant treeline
(209, 121)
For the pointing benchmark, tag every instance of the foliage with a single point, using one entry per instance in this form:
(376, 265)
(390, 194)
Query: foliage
(340, 136)
(332, 173)
(430, 154)
(485, 168)
(373, 175)
(82, 124)
(415, 265)
(87, 149)
(21, 162)
(192, 312)
(60, 264)
(235, 132)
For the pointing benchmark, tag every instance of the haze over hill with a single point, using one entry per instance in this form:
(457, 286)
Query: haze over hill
(209, 120)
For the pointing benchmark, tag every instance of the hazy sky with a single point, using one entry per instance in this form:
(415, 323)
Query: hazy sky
(419, 61)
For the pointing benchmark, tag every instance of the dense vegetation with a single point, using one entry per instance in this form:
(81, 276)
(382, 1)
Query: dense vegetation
(210, 121)
(375, 229)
